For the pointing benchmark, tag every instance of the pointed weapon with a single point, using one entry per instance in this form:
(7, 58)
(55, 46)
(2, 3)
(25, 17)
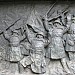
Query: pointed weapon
(51, 8)
(9, 26)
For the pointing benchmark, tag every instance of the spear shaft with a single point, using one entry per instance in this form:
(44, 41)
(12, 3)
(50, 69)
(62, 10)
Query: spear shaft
(10, 26)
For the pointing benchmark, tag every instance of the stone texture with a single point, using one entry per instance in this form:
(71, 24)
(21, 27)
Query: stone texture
(9, 13)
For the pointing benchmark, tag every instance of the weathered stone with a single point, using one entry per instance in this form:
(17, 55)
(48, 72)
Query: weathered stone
(43, 43)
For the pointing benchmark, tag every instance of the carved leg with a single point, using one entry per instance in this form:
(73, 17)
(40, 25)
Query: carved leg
(65, 67)
(20, 68)
(14, 68)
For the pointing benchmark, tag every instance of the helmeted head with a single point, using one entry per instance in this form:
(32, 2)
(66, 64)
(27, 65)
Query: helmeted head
(57, 23)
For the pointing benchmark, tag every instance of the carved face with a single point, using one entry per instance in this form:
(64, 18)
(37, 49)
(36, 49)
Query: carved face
(56, 24)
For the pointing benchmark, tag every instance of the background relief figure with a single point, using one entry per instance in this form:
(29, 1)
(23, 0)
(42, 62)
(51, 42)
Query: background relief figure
(70, 38)
(14, 46)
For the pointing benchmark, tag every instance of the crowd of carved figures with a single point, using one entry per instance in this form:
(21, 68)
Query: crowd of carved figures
(42, 38)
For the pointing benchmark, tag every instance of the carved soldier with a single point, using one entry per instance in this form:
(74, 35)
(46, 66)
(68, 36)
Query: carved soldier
(70, 40)
(57, 43)
(38, 53)
(35, 33)
(14, 46)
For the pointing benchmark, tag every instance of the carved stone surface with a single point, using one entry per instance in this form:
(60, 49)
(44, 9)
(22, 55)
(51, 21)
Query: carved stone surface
(37, 38)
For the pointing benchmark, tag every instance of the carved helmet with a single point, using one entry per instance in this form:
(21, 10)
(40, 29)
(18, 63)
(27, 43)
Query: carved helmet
(41, 33)
(58, 21)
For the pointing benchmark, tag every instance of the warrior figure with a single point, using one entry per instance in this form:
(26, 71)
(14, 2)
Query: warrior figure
(36, 35)
(38, 53)
(70, 39)
(57, 50)
(14, 43)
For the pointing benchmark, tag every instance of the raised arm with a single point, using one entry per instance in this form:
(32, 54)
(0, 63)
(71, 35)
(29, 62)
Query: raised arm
(68, 22)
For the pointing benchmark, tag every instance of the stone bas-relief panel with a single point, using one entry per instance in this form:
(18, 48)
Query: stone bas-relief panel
(37, 39)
